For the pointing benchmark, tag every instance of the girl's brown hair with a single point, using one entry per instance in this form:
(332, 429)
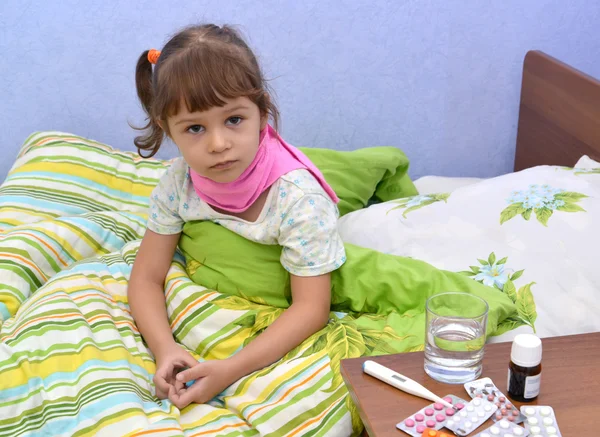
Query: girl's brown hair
(200, 66)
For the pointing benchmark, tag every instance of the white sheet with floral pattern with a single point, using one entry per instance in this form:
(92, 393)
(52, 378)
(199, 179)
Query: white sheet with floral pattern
(533, 231)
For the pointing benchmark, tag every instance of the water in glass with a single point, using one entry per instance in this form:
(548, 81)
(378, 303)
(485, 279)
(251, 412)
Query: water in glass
(454, 345)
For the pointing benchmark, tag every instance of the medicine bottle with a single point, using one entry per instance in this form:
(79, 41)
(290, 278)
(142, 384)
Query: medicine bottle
(525, 368)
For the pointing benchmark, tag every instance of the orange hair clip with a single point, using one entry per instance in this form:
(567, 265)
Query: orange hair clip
(153, 55)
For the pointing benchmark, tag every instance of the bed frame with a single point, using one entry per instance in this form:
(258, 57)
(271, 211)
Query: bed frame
(559, 115)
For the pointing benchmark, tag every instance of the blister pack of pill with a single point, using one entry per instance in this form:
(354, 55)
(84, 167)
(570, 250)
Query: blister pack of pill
(433, 433)
(434, 416)
(504, 428)
(473, 415)
(540, 421)
(484, 388)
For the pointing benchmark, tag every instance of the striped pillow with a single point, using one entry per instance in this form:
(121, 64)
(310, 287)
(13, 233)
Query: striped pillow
(65, 199)
(59, 174)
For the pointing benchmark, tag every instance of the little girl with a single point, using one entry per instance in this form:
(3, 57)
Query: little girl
(206, 92)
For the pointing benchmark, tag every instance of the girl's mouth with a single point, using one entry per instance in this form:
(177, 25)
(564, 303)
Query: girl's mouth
(225, 165)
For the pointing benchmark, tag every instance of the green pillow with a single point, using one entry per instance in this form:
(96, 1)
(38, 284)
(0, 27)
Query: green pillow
(375, 174)
(369, 281)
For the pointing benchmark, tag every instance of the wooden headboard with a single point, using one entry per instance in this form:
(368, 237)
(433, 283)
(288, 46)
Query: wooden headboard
(559, 116)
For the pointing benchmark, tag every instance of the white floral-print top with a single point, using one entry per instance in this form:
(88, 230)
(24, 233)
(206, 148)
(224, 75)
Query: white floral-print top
(298, 215)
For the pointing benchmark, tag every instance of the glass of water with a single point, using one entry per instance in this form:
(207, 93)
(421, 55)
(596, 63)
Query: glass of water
(455, 336)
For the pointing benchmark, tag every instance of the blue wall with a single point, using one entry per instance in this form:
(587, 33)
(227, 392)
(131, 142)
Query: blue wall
(437, 78)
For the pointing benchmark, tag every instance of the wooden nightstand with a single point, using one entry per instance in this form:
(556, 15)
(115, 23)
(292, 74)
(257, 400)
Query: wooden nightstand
(570, 384)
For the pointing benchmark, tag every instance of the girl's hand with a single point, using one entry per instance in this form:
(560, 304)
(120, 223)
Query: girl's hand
(211, 378)
(169, 361)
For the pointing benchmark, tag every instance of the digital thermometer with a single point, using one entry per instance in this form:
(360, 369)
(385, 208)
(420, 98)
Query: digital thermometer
(401, 382)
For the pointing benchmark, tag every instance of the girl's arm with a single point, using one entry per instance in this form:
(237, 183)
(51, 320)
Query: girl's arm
(149, 310)
(145, 292)
(309, 312)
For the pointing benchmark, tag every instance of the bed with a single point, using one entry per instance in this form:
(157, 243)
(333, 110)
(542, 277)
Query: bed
(73, 363)
(472, 224)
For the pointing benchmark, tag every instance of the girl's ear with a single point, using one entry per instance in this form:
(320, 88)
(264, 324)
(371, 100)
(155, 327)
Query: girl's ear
(163, 126)
(264, 117)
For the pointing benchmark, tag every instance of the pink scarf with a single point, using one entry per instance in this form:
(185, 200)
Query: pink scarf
(274, 159)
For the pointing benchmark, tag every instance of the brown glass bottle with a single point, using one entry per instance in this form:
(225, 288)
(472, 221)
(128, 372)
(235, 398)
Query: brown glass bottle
(524, 382)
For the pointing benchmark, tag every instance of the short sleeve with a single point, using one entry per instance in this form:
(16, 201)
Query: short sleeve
(309, 236)
(163, 216)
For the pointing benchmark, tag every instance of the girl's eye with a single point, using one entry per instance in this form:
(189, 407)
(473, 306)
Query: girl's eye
(195, 129)
(234, 120)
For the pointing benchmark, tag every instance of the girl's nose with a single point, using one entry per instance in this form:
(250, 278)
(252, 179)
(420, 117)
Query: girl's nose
(217, 143)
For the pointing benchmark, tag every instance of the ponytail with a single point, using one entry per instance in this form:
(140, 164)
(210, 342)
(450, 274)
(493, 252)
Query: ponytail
(153, 137)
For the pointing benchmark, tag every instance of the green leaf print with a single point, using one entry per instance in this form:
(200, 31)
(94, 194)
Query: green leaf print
(383, 348)
(401, 204)
(526, 305)
(192, 267)
(414, 208)
(503, 260)
(380, 341)
(510, 290)
(492, 258)
(570, 207)
(570, 196)
(542, 200)
(516, 275)
(543, 214)
(372, 339)
(232, 302)
(511, 211)
(508, 325)
(411, 204)
(343, 341)
(475, 269)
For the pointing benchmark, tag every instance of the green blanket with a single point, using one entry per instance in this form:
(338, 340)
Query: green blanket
(379, 291)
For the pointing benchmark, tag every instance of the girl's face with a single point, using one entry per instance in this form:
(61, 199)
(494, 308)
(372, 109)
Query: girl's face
(221, 142)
